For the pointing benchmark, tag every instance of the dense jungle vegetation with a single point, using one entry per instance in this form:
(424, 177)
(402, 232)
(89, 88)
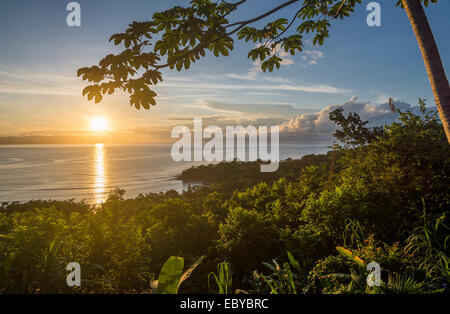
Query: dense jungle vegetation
(381, 195)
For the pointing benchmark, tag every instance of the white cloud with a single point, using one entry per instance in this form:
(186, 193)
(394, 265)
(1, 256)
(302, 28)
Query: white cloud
(257, 109)
(319, 124)
(317, 88)
(268, 94)
(286, 56)
(187, 96)
(254, 73)
(311, 56)
(32, 83)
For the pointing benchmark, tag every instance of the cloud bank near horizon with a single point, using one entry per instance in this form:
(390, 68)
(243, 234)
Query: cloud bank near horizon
(318, 126)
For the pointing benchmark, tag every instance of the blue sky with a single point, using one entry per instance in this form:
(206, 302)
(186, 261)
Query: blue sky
(39, 56)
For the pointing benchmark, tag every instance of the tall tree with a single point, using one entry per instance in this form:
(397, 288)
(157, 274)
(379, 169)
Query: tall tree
(432, 59)
(186, 33)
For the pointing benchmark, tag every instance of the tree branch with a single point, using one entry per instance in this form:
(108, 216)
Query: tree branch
(281, 6)
(340, 7)
(235, 5)
(293, 20)
(241, 25)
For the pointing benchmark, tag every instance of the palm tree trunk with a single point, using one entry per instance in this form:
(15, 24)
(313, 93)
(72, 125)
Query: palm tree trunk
(432, 59)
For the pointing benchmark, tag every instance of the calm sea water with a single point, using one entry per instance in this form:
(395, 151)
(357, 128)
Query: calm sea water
(90, 171)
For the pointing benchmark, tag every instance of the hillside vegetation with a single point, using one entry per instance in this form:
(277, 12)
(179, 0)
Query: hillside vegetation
(381, 195)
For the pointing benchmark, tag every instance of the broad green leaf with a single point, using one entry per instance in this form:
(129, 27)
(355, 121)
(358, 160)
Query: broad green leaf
(294, 262)
(170, 275)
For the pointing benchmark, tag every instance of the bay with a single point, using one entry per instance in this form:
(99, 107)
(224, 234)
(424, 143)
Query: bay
(90, 172)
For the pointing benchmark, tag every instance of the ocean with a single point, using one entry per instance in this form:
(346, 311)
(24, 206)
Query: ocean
(90, 172)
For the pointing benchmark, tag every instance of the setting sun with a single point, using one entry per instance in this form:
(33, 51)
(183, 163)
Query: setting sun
(99, 124)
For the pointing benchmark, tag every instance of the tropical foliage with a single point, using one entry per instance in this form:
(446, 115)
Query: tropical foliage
(381, 196)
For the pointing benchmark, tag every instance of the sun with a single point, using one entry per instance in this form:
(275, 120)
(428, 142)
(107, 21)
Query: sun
(99, 124)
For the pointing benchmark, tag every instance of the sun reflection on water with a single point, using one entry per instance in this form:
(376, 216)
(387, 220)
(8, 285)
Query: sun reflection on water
(99, 178)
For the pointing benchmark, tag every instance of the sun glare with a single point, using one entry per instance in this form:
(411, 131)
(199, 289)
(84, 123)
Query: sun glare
(99, 124)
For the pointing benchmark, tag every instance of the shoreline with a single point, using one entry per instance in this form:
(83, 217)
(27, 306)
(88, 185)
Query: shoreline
(134, 182)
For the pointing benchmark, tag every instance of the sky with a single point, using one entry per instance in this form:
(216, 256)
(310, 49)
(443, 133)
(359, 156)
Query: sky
(358, 67)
